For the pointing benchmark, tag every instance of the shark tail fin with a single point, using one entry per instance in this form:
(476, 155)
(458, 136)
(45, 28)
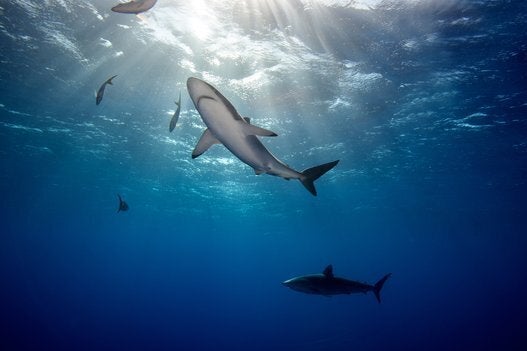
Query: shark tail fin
(378, 286)
(313, 173)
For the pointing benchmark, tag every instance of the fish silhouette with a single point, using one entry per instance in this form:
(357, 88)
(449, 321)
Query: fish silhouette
(123, 206)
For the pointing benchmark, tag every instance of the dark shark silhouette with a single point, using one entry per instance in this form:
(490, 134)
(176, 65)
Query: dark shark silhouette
(100, 92)
(327, 284)
(123, 206)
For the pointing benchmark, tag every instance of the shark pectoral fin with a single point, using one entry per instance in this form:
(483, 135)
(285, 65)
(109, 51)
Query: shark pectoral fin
(250, 129)
(206, 141)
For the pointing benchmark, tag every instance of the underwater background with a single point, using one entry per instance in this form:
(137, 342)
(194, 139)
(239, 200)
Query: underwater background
(423, 102)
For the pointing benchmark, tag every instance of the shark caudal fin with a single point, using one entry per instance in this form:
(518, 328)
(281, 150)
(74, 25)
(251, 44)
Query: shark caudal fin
(378, 286)
(312, 174)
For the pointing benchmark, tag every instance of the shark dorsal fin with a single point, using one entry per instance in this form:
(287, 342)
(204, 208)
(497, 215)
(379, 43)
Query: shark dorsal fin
(328, 271)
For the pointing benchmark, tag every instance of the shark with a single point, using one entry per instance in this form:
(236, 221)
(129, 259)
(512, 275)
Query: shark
(327, 284)
(134, 7)
(123, 206)
(175, 117)
(226, 126)
(100, 92)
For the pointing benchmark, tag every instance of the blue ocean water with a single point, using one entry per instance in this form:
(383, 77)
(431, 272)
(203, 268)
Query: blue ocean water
(423, 102)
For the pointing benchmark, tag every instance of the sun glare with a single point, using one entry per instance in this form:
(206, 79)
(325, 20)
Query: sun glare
(357, 4)
(201, 20)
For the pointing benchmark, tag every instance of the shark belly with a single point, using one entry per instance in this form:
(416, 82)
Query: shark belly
(229, 130)
(267, 162)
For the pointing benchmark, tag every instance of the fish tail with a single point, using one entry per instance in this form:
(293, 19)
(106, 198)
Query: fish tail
(120, 202)
(109, 81)
(378, 286)
(313, 173)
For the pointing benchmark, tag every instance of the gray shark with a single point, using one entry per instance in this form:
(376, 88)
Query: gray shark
(100, 92)
(225, 126)
(123, 206)
(175, 117)
(327, 284)
(134, 7)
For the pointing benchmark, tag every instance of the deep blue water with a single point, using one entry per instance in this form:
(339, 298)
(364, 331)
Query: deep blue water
(424, 102)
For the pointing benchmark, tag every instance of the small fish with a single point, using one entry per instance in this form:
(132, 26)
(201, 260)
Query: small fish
(134, 7)
(175, 117)
(100, 92)
(123, 206)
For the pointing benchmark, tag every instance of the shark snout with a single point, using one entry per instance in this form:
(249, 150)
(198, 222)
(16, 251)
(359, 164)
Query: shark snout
(194, 84)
